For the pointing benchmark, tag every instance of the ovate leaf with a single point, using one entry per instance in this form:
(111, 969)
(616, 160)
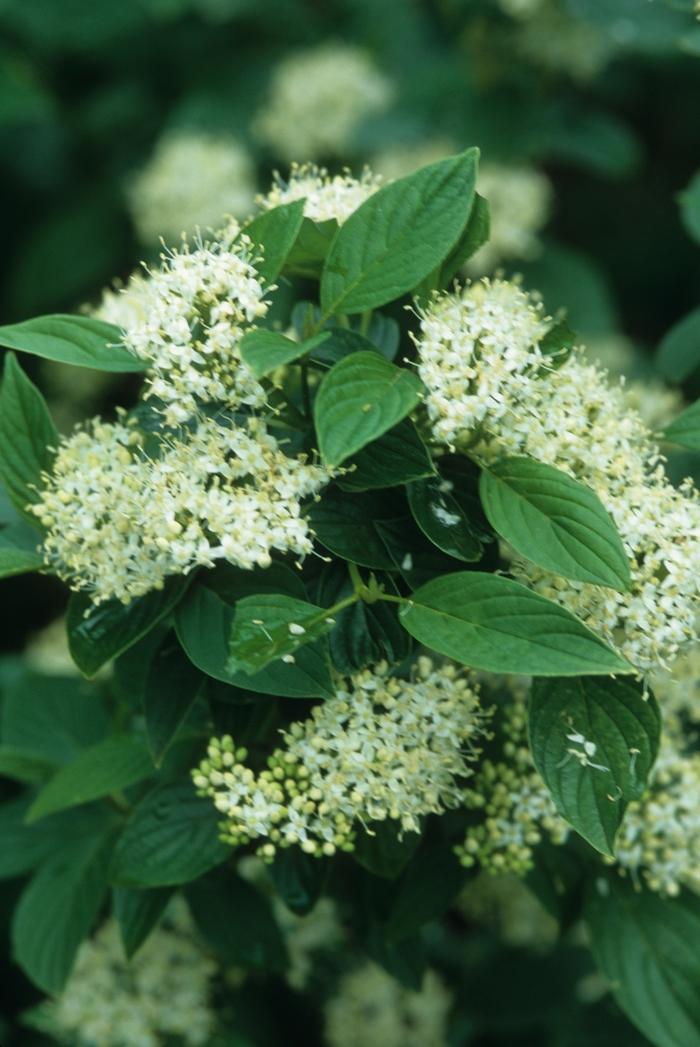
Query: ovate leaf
(275, 232)
(79, 340)
(172, 686)
(594, 742)
(111, 765)
(264, 350)
(28, 437)
(172, 837)
(685, 430)
(98, 633)
(398, 457)
(678, 354)
(554, 521)
(646, 946)
(137, 913)
(360, 399)
(348, 526)
(398, 236)
(14, 560)
(689, 201)
(442, 519)
(271, 626)
(498, 625)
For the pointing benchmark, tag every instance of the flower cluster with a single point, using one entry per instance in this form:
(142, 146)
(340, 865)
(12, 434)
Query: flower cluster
(326, 197)
(659, 840)
(193, 180)
(517, 810)
(489, 388)
(120, 522)
(396, 161)
(163, 990)
(519, 201)
(554, 40)
(317, 100)
(371, 1007)
(196, 308)
(381, 748)
(521, 8)
(124, 306)
(678, 688)
(507, 906)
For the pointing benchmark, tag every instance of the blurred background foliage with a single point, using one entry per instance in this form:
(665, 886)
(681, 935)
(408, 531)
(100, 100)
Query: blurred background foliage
(599, 95)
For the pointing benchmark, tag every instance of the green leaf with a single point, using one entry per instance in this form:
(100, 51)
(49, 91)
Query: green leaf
(594, 742)
(111, 765)
(426, 888)
(52, 716)
(646, 946)
(347, 526)
(271, 626)
(678, 354)
(96, 634)
(14, 559)
(498, 625)
(58, 908)
(339, 343)
(366, 634)
(685, 430)
(557, 344)
(443, 520)
(172, 687)
(171, 838)
(360, 399)
(203, 623)
(28, 437)
(298, 878)
(396, 458)
(474, 235)
(386, 851)
(23, 847)
(398, 236)
(264, 350)
(309, 252)
(137, 913)
(554, 521)
(689, 201)
(22, 765)
(275, 232)
(237, 921)
(79, 340)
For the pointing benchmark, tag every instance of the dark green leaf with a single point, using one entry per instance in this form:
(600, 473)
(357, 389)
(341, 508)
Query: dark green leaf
(398, 236)
(678, 354)
(594, 742)
(298, 878)
(385, 851)
(474, 235)
(685, 430)
(442, 519)
(646, 946)
(28, 437)
(96, 634)
(424, 891)
(79, 340)
(347, 526)
(23, 847)
(264, 350)
(108, 767)
(271, 626)
(689, 201)
(58, 908)
(171, 838)
(275, 232)
(554, 521)
(497, 625)
(22, 765)
(137, 913)
(339, 343)
(309, 252)
(53, 716)
(17, 560)
(398, 457)
(360, 399)
(172, 687)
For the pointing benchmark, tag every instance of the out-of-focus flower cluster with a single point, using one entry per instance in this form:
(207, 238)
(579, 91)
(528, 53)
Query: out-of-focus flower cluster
(519, 201)
(192, 181)
(381, 749)
(491, 388)
(371, 1007)
(317, 100)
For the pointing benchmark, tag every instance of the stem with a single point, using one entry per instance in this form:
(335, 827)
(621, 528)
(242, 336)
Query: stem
(356, 578)
(342, 604)
(305, 393)
(365, 321)
(390, 598)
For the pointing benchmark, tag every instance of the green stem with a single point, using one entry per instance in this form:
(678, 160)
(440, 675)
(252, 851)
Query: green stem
(305, 392)
(390, 598)
(365, 321)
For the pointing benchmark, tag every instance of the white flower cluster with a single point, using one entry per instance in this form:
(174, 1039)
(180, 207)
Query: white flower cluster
(326, 196)
(196, 308)
(507, 906)
(552, 39)
(125, 306)
(111, 1002)
(193, 180)
(678, 689)
(396, 161)
(372, 1008)
(119, 522)
(521, 8)
(659, 840)
(318, 98)
(518, 811)
(488, 387)
(519, 201)
(381, 748)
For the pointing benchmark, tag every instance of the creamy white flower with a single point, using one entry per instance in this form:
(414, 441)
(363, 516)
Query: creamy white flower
(196, 308)
(555, 40)
(120, 522)
(317, 99)
(372, 1008)
(126, 306)
(678, 688)
(192, 181)
(326, 196)
(490, 389)
(519, 202)
(381, 749)
(164, 990)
